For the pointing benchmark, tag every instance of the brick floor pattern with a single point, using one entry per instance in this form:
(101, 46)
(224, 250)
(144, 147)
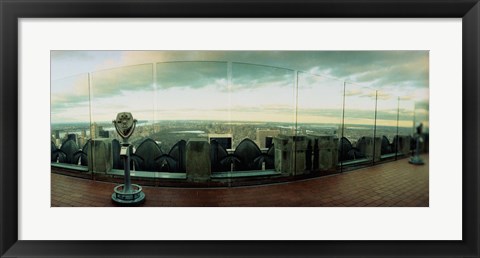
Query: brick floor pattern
(392, 184)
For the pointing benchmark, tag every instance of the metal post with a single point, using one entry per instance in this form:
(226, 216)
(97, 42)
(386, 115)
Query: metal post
(90, 116)
(126, 164)
(375, 127)
(398, 118)
(154, 73)
(343, 125)
(296, 126)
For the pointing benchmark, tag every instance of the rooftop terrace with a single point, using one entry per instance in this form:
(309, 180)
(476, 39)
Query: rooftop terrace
(392, 184)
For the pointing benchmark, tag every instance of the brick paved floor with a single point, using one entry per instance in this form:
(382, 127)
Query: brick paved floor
(395, 183)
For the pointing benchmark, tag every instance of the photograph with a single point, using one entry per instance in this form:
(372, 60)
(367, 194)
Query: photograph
(198, 128)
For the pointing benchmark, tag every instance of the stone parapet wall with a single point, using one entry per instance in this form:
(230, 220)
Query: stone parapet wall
(198, 166)
(290, 153)
(99, 155)
(327, 147)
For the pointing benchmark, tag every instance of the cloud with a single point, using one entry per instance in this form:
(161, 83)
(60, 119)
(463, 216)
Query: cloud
(374, 68)
(379, 95)
(191, 75)
(62, 54)
(311, 80)
(248, 76)
(196, 75)
(66, 63)
(117, 81)
(379, 68)
(65, 106)
(75, 90)
(69, 92)
(353, 92)
(264, 108)
(422, 107)
(406, 97)
(392, 73)
(386, 114)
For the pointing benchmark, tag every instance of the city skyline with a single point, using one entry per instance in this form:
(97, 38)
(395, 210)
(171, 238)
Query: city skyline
(161, 85)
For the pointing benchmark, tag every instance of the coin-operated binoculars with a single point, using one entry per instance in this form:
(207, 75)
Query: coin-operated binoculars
(416, 160)
(126, 194)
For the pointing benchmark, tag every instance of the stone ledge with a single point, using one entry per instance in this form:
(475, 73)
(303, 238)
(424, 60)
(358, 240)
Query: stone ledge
(238, 174)
(70, 166)
(146, 174)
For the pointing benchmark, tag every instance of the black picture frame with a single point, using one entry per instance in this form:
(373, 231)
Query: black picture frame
(12, 10)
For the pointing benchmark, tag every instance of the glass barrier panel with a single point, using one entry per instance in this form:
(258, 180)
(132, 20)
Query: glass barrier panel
(358, 144)
(262, 109)
(421, 115)
(406, 125)
(386, 123)
(406, 117)
(70, 118)
(319, 117)
(192, 103)
(122, 89)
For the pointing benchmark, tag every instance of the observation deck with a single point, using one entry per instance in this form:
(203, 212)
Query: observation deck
(233, 133)
(392, 184)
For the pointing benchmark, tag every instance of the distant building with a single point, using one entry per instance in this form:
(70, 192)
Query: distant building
(104, 134)
(58, 143)
(94, 131)
(265, 137)
(56, 134)
(224, 139)
(81, 141)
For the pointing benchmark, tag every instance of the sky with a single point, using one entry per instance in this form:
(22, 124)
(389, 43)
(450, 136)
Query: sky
(278, 86)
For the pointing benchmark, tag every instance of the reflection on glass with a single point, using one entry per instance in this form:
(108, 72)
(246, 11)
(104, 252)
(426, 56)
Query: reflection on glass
(70, 120)
(319, 117)
(319, 105)
(262, 103)
(357, 143)
(421, 114)
(124, 89)
(406, 116)
(386, 122)
(406, 128)
(191, 101)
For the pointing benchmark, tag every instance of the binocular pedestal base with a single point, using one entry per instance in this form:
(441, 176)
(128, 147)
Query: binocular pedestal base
(416, 160)
(133, 196)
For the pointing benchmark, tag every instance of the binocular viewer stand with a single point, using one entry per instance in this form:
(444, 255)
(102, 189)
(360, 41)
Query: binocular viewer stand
(127, 194)
(415, 159)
